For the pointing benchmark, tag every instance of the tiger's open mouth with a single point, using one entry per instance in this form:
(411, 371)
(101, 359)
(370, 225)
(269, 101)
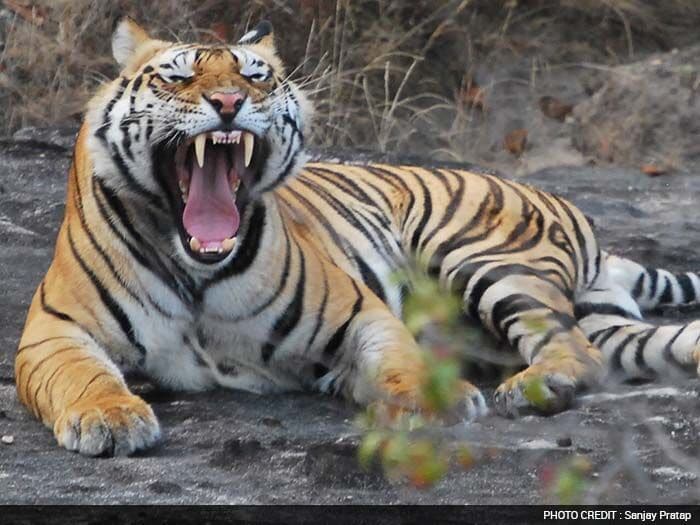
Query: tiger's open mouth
(209, 177)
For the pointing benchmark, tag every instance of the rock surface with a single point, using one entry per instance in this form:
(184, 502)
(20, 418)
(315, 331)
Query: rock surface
(231, 447)
(645, 113)
(642, 115)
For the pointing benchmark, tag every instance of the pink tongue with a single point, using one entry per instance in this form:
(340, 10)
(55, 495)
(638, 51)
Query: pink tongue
(210, 213)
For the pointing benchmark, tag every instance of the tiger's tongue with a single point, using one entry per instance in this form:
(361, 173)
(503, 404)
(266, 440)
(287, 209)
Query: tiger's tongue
(210, 212)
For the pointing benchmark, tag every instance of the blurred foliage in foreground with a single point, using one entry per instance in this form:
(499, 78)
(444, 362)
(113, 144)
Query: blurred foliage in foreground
(407, 448)
(413, 449)
(567, 482)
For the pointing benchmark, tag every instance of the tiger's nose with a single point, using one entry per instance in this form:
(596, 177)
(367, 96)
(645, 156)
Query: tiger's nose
(227, 104)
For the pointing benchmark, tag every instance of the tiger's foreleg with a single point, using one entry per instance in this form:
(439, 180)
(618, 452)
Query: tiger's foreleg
(536, 318)
(391, 368)
(71, 385)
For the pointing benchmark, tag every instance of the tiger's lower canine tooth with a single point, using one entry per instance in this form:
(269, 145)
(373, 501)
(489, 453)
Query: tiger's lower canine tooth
(200, 143)
(195, 245)
(228, 244)
(248, 143)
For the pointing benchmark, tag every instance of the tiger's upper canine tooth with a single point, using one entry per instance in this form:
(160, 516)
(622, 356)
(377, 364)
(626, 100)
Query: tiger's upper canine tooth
(200, 143)
(248, 143)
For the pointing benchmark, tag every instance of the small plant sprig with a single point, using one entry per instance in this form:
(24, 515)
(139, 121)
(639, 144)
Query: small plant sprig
(407, 449)
(566, 483)
(410, 448)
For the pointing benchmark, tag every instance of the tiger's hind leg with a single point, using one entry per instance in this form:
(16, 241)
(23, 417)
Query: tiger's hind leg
(535, 316)
(71, 385)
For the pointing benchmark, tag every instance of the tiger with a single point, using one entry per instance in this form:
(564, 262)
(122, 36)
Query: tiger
(202, 246)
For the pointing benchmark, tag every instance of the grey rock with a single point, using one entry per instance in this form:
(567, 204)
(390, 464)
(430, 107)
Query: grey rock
(234, 447)
(644, 112)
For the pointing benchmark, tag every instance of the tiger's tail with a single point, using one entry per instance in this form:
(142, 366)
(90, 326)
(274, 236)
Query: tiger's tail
(653, 287)
(610, 314)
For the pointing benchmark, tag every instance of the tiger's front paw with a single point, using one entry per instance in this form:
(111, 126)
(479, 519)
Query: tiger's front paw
(539, 388)
(469, 404)
(115, 425)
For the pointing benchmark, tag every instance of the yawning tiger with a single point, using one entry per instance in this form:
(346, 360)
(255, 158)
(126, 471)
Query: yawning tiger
(201, 247)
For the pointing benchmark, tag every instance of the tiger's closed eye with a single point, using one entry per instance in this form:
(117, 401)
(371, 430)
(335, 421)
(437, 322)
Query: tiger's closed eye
(179, 70)
(172, 75)
(255, 77)
(176, 78)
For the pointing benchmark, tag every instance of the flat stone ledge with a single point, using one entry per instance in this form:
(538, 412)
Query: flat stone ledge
(231, 447)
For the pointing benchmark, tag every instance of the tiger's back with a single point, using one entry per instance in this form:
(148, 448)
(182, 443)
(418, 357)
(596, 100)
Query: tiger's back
(373, 220)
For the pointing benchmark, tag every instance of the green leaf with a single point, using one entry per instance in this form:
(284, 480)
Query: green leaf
(369, 447)
(429, 303)
(569, 487)
(441, 385)
(537, 324)
(427, 465)
(536, 393)
(571, 481)
(395, 452)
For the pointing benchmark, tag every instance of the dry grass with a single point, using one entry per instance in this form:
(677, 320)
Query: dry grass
(385, 74)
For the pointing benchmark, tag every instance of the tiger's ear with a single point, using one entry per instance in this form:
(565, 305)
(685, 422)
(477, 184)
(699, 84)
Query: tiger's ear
(261, 35)
(128, 36)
